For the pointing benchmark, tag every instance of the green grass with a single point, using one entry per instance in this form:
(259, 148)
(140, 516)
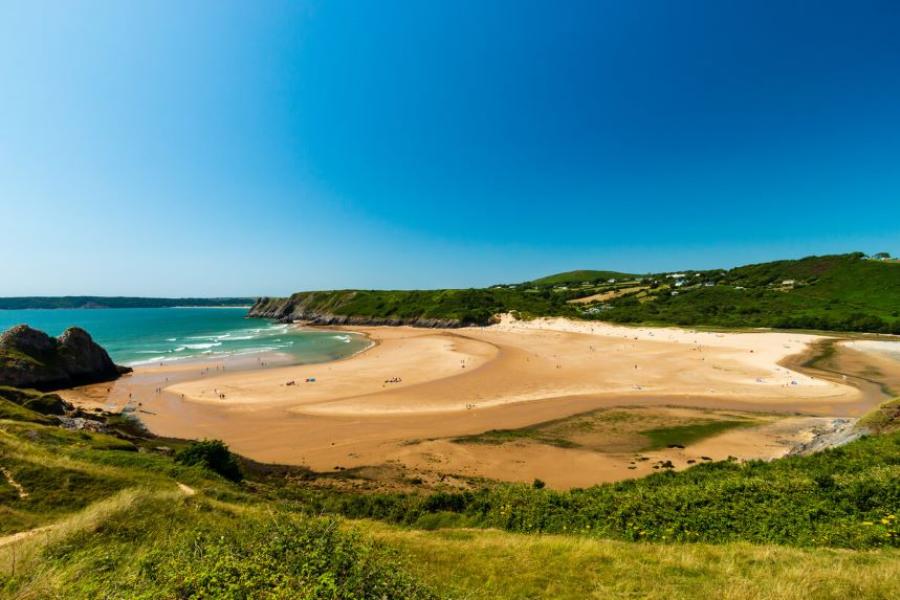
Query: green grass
(600, 426)
(162, 545)
(15, 412)
(496, 565)
(839, 293)
(504, 436)
(845, 497)
(117, 525)
(582, 276)
(883, 419)
(33, 400)
(685, 435)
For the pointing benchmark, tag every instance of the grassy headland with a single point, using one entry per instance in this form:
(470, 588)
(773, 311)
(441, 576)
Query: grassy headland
(841, 293)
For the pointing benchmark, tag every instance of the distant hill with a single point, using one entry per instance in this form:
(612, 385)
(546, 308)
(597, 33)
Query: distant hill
(22, 302)
(847, 292)
(582, 276)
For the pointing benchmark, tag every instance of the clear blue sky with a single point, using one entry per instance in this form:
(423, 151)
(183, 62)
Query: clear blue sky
(216, 148)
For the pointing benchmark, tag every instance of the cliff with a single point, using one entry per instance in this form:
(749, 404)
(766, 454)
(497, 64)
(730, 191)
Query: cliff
(32, 359)
(356, 307)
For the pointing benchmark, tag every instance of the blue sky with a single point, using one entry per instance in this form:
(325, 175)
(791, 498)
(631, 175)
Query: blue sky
(218, 148)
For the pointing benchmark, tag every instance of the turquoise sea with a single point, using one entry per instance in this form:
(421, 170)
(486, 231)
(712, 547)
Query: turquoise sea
(151, 335)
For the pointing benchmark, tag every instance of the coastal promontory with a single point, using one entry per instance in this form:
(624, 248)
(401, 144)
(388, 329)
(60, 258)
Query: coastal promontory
(32, 359)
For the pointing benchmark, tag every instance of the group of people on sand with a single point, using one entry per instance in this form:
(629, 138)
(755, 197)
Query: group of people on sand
(393, 380)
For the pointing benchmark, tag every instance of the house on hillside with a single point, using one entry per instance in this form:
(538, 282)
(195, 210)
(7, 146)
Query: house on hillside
(788, 283)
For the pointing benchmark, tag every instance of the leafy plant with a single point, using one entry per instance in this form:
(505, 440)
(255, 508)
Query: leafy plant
(213, 455)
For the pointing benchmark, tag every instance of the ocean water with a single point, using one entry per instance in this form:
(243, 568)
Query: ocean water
(133, 336)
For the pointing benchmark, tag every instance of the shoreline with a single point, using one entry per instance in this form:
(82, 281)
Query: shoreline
(467, 381)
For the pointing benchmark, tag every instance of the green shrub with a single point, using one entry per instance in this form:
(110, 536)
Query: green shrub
(844, 497)
(213, 455)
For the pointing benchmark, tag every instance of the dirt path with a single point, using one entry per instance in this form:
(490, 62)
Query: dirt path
(21, 490)
(14, 538)
(23, 535)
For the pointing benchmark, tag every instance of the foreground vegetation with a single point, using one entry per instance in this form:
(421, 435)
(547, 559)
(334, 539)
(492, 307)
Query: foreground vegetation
(123, 523)
(491, 564)
(845, 497)
(150, 518)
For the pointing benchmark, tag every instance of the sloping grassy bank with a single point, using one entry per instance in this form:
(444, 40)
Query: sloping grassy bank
(131, 520)
(494, 565)
(845, 497)
(116, 523)
(165, 546)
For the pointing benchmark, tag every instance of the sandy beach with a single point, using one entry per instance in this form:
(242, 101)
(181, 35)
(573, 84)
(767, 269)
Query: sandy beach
(404, 401)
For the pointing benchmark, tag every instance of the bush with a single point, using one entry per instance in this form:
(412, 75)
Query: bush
(845, 497)
(213, 455)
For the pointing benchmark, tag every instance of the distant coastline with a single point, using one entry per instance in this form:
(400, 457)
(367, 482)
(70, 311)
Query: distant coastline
(100, 302)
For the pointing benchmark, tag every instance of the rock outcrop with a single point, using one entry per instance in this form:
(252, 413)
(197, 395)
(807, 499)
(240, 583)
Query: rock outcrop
(313, 308)
(32, 359)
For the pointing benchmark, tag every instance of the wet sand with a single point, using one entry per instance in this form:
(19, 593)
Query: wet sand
(403, 400)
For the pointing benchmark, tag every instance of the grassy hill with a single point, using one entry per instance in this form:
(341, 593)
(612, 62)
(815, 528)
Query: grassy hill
(419, 307)
(113, 517)
(582, 276)
(841, 293)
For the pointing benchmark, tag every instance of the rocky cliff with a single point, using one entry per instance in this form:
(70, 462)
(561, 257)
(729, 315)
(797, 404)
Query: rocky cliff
(32, 359)
(343, 308)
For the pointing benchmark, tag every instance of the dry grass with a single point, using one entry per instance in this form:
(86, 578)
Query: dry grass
(488, 564)
(610, 295)
(21, 551)
(623, 429)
